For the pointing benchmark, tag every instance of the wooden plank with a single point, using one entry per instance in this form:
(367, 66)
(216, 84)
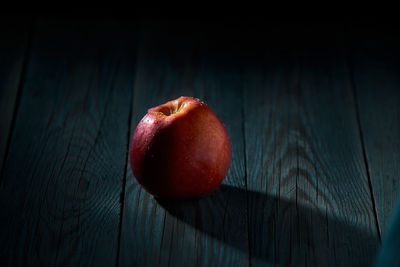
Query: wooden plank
(176, 60)
(60, 196)
(14, 32)
(376, 70)
(388, 254)
(309, 198)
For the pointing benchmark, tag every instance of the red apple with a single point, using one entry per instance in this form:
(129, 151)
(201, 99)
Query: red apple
(180, 150)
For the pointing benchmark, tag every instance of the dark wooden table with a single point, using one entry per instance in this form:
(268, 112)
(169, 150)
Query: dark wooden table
(313, 112)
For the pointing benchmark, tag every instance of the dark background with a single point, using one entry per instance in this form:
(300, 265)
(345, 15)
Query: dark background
(311, 106)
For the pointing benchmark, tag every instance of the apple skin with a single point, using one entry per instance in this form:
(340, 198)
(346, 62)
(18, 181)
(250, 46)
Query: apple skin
(180, 150)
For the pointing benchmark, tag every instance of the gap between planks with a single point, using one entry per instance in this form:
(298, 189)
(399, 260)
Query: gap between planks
(350, 67)
(26, 57)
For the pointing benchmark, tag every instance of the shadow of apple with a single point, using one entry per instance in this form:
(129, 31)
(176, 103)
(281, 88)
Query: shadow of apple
(278, 231)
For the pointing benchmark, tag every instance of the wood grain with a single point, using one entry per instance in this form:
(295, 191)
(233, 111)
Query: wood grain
(14, 47)
(309, 198)
(60, 196)
(375, 59)
(211, 231)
